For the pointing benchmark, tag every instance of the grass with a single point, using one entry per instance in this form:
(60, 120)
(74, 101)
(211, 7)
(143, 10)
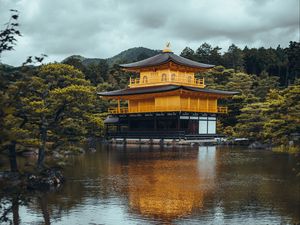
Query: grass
(287, 149)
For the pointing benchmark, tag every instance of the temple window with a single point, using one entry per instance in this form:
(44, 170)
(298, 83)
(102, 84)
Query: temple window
(173, 76)
(189, 79)
(145, 79)
(164, 77)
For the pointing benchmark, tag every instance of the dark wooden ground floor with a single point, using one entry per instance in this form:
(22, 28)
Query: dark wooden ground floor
(161, 125)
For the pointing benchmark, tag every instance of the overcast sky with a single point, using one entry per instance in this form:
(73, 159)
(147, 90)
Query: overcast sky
(103, 28)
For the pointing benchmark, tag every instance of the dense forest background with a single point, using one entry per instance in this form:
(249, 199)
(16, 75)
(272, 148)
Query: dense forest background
(279, 62)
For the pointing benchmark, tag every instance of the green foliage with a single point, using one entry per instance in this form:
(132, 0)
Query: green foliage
(251, 121)
(50, 107)
(94, 124)
(283, 114)
(12, 117)
(234, 58)
(228, 79)
(261, 111)
(207, 54)
(9, 34)
(263, 84)
(287, 149)
(118, 78)
(274, 119)
(188, 53)
(293, 55)
(282, 63)
(62, 101)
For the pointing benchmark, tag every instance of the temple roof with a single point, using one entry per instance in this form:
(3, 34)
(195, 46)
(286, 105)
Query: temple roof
(164, 58)
(162, 88)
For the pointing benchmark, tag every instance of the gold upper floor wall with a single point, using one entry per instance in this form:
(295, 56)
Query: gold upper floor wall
(171, 103)
(166, 76)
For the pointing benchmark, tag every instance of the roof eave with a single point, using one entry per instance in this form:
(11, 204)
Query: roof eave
(225, 94)
(128, 67)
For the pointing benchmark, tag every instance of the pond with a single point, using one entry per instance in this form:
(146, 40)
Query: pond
(167, 185)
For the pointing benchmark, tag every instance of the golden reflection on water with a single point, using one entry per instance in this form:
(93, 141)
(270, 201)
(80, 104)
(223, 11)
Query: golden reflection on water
(169, 185)
(171, 188)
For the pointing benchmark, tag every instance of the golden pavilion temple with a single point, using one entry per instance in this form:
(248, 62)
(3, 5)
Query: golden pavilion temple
(165, 101)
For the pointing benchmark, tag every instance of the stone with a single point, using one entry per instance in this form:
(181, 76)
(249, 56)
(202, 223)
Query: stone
(28, 164)
(30, 152)
(47, 179)
(81, 150)
(92, 150)
(57, 155)
(257, 145)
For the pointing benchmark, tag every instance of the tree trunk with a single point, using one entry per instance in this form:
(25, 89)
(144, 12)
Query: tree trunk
(13, 157)
(45, 211)
(41, 156)
(15, 210)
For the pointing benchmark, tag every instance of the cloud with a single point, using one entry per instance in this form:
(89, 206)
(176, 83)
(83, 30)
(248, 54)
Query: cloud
(103, 28)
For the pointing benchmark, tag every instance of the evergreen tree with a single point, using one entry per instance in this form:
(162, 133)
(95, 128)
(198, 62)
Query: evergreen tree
(7, 42)
(59, 105)
(76, 63)
(293, 54)
(207, 54)
(203, 53)
(263, 84)
(234, 58)
(283, 114)
(251, 121)
(188, 53)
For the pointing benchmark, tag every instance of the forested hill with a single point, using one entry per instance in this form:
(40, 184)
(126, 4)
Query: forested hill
(283, 63)
(280, 62)
(127, 56)
(132, 55)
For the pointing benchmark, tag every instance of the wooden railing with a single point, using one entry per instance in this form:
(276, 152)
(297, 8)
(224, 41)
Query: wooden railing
(195, 82)
(117, 110)
(124, 110)
(222, 109)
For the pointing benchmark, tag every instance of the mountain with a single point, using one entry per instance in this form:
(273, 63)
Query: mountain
(132, 55)
(5, 66)
(127, 56)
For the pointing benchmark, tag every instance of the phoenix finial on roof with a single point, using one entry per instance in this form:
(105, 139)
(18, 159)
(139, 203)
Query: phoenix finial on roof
(167, 48)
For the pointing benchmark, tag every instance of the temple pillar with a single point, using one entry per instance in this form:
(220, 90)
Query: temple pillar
(178, 122)
(207, 99)
(119, 108)
(155, 123)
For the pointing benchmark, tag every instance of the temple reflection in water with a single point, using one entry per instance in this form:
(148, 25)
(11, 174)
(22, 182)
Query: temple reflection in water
(169, 189)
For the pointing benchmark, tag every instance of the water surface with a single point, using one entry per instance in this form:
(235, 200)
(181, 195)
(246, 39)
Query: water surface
(155, 185)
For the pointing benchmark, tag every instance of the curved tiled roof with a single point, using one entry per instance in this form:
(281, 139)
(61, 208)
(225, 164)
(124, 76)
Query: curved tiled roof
(163, 58)
(162, 88)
